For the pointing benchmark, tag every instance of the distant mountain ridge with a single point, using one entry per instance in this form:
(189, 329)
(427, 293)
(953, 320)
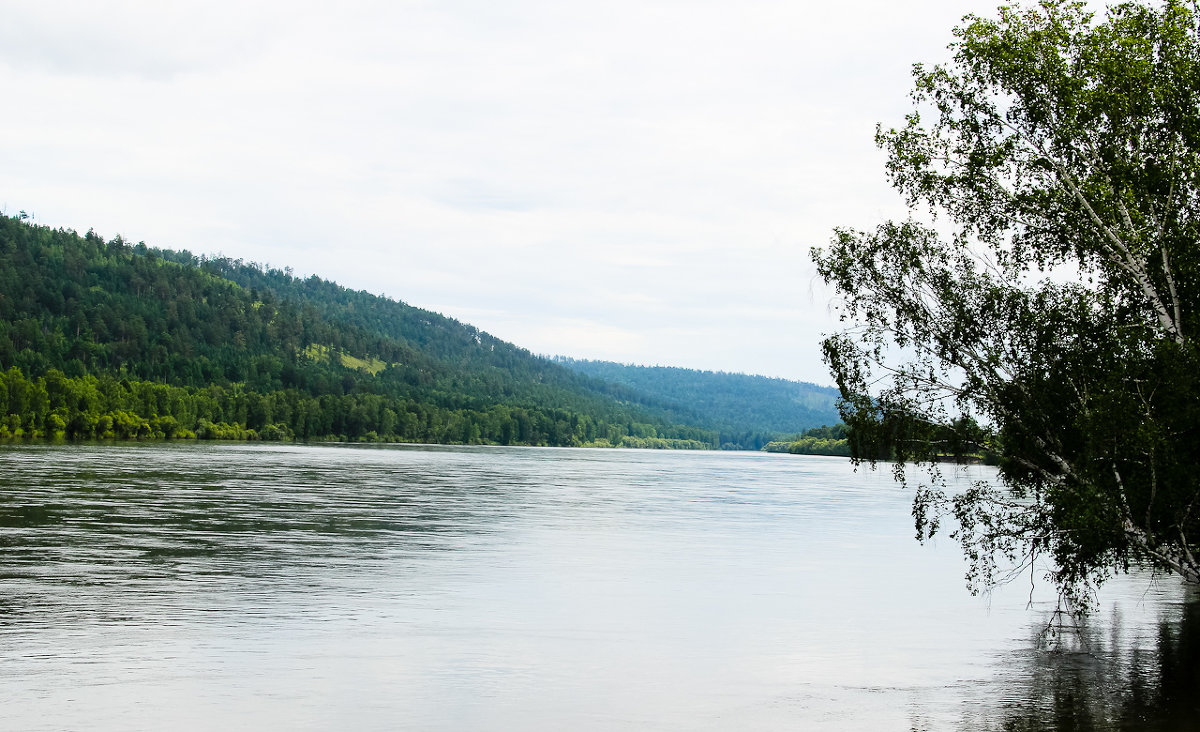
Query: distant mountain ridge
(108, 339)
(741, 406)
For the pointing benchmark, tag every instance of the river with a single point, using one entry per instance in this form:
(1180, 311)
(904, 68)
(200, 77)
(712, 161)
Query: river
(249, 587)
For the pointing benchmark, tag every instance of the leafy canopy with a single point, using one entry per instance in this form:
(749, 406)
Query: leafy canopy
(1051, 294)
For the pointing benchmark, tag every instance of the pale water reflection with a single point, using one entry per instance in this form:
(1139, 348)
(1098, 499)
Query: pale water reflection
(339, 587)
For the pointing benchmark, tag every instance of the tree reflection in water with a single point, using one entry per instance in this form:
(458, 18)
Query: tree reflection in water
(1096, 678)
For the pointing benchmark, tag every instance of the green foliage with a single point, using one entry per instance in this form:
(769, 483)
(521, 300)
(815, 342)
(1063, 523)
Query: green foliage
(823, 440)
(1062, 155)
(111, 341)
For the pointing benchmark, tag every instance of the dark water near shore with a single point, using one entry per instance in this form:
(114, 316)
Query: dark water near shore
(288, 587)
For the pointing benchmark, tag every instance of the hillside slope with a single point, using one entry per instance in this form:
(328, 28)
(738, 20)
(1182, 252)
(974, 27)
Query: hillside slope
(104, 339)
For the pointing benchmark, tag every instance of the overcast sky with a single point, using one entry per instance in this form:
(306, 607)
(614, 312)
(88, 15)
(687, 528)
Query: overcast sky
(636, 181)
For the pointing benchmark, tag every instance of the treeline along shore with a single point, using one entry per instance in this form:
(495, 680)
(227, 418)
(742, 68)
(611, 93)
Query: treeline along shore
(105, 407)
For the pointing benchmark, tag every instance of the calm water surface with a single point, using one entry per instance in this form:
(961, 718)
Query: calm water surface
(334, 587)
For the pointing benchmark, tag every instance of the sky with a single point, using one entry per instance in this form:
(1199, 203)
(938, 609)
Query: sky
(635, 181)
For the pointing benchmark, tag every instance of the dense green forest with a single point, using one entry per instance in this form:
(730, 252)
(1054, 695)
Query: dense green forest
(749, 411)
(104, 339)
(822, 440)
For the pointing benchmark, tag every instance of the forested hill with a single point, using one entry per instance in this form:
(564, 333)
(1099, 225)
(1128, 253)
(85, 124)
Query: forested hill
(747, 409)
(104, 339)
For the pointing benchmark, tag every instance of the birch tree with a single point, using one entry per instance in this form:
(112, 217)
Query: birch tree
(1045, 287)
